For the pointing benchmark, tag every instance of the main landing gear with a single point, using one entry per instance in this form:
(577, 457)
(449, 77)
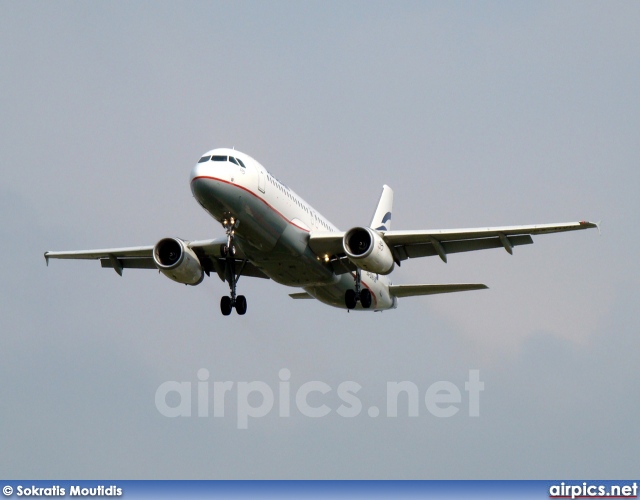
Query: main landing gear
(228, 251)
(351, 297)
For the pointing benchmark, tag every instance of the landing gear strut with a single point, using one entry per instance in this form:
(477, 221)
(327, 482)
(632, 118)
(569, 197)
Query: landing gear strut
(227, 303)
(351, 297)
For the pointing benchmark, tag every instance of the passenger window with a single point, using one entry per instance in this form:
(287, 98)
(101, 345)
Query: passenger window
(219, 158)
(240, 162)
(204, 158)
(233, 160)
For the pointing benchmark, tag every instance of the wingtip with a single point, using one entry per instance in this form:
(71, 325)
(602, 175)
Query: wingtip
(588, 224)
(46, 258)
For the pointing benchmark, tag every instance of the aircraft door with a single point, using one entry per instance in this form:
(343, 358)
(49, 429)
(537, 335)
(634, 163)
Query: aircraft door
(261, 179)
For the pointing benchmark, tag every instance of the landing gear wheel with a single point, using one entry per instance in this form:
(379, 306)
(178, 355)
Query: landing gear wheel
(241, 305)
(227, 251)
(225, 305)
(350, 299)
(231, 274)
(365, 298)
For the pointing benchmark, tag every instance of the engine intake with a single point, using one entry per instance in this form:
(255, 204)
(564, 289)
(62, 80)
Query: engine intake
(366, 249)
(177, 261)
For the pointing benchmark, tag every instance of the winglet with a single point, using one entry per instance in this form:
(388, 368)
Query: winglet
(587, 224)
(46, 258)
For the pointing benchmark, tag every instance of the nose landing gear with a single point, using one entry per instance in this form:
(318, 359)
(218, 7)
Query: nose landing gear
(351, 297)
(227, 303)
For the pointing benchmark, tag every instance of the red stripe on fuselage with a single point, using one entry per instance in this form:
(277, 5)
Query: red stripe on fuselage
(282, 216)
(252, 193)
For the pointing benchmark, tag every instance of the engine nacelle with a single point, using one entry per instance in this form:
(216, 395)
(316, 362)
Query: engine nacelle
(177, 261)
(366, 249)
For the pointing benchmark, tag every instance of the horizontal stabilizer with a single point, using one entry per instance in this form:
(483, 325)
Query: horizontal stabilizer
(413, 290)
(301, 295)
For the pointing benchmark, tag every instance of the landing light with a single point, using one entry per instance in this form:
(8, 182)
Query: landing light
(326, 258)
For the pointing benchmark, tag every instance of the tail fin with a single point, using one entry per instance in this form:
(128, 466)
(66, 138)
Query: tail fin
(382, 217)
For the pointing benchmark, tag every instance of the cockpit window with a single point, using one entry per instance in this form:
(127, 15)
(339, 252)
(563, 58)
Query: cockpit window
(233, 160)
(240, 162)
(204, 158)
(219, 158)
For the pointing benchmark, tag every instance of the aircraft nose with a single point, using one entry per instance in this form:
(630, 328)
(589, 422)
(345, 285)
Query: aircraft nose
(200, 170)
(196, 171)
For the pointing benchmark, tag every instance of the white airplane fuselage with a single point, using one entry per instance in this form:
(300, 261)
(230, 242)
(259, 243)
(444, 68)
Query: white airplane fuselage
(273, 231)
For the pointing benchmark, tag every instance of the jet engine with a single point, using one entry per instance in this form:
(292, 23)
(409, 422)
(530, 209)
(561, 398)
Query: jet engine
(366, 249)
(177, 261)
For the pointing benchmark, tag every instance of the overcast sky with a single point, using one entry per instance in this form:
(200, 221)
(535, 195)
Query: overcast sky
(476, 114)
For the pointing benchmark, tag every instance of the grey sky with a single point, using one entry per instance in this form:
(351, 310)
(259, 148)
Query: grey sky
(476, 114)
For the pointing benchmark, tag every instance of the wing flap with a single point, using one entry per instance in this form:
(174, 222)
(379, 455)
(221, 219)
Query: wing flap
(301, 295)
(415, 290)
(428, 249)
(130, 263)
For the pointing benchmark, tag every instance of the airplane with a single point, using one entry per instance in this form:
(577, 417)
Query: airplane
(272, 233)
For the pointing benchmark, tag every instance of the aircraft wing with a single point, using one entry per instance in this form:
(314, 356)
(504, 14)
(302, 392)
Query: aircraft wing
(208, 252)
(423, 243)
(129, 252)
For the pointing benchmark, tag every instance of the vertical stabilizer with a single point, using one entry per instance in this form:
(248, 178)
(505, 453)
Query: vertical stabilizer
(382, 217)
